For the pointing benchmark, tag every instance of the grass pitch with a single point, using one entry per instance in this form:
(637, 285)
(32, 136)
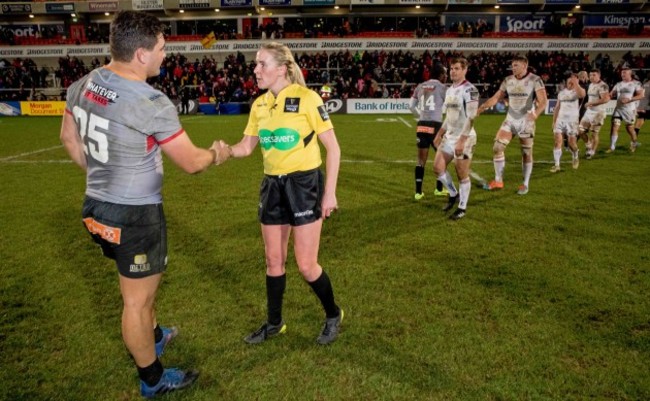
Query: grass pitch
(536, 297)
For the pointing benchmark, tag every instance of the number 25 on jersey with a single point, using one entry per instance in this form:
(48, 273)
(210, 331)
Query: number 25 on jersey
(97, 143)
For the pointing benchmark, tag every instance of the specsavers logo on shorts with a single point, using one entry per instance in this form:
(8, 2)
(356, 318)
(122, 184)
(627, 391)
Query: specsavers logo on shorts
(281, 138)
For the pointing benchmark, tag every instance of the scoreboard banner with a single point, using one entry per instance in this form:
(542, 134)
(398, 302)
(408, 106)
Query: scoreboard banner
(318, 2)
(42, 108)
(194, 4)
(236, 3)
(16, 8)
(616, 20)
(275, 3)
(522, 23)
(59, 8)
(9, 108)
(378, 106)
(312, 45)
(103, 6)
(147, 4)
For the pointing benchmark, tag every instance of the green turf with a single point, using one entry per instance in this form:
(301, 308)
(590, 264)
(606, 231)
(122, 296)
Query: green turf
(536, 297)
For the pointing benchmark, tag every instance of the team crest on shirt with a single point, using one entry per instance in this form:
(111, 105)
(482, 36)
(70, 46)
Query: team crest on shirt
(99, 94)
(291, 104)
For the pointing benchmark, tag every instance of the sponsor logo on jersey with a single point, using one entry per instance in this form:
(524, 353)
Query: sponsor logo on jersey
(99, 94)
(291, 104)
(518, 90)
(281, 138)
(323, 113)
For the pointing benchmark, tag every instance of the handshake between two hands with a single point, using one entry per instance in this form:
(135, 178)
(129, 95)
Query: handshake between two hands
(222, 150)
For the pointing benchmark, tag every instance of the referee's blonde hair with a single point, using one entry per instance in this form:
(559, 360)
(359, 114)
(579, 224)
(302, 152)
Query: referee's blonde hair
(282, 55)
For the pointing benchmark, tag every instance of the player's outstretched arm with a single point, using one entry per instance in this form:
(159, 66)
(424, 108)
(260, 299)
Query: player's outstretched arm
(490, 102)
(187, 156)
(242, 149)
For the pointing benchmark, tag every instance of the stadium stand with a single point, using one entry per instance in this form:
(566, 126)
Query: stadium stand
(376, 73)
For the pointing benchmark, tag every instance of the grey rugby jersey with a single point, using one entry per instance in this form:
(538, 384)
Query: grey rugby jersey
(430, 96)
(122, 122)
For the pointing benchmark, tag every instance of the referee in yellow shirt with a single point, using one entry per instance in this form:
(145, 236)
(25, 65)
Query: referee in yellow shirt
(288, 121)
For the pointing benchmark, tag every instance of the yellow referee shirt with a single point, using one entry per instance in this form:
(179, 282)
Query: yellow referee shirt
(287, 127)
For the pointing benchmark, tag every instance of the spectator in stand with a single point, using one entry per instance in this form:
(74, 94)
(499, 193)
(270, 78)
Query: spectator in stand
(342, 68)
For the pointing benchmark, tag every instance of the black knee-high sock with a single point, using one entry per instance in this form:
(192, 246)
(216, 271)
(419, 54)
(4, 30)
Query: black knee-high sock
(438, 185)
(274, 293)
(419, 177)
(322, 287)
(151, 374)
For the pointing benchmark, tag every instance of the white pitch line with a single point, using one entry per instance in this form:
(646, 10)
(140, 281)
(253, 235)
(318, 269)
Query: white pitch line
(62, 161)
(405, 122)
(415, 161)
(191, 118)
(4, 159)
(65, 161)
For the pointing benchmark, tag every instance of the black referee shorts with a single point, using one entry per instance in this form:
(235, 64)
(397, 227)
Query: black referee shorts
(293, 199)
(134, 236)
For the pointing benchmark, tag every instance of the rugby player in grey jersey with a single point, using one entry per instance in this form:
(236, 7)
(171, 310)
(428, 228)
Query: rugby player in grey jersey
(114, 127)
(426, 105)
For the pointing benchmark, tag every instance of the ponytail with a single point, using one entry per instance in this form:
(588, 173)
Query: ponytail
(294, 74)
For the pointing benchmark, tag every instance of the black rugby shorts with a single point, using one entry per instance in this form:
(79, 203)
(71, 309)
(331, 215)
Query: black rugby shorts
(134, 236)
(426, 133)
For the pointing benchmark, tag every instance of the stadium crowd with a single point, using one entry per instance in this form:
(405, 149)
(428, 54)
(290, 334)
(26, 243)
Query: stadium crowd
(361, 74)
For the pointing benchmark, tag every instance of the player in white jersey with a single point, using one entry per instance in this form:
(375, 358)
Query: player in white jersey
(426, 106)
(456, 138)
(642, 108)
(627, 92)
(594, 117)
(566, 117)
(114, 127)
(527, 101)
